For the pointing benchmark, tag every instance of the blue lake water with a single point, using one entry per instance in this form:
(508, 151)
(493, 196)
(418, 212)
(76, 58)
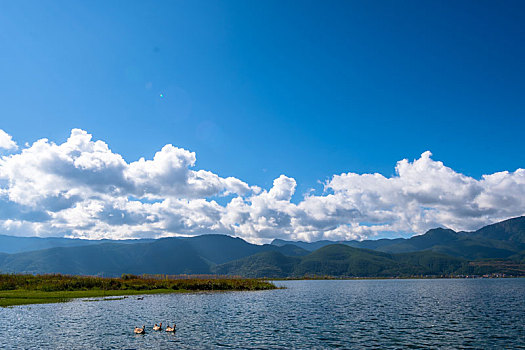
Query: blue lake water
(480, 313)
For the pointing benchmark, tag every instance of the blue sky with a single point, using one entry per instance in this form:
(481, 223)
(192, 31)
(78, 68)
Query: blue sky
(259, 89)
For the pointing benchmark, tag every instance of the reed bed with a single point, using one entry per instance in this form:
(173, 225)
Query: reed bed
(18, 289)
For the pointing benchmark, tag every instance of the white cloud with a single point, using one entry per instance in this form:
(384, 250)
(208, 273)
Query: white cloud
(6, 141)
(81, 188)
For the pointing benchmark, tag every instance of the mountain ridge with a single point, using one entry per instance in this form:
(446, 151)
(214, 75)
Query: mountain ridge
(479, 244)
(437, 252)
(19, 244)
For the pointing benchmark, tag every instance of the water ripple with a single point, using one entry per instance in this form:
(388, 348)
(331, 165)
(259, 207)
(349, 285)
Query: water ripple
(387, 314)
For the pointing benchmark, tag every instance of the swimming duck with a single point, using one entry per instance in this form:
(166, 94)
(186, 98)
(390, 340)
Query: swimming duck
(171, 329)
(157, 328)
(140, 330)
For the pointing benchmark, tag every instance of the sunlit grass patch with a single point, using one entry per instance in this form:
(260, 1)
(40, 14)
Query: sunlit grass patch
(41, 289)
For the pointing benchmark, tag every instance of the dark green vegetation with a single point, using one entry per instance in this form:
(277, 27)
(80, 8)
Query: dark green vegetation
(340, 260)
(494, 249)
(31, 289)
(502, 240)
(196, 255)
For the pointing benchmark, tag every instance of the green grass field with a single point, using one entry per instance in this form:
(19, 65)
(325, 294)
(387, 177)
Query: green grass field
(23, 297)
(40, 289)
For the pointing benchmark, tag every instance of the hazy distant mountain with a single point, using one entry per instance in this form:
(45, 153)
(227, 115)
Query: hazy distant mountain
(498, 241)
(439, 251)
(367, 244)
(219, 249)
(194, 255)
(110, 259)
(12, 244)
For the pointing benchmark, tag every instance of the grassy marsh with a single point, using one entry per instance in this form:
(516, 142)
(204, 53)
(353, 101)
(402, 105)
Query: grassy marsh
(39, 289)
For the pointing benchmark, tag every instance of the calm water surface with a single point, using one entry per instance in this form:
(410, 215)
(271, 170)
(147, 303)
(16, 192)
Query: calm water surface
(482, 313)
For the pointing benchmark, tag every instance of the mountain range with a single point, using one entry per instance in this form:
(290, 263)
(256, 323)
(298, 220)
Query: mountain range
(497, 248)
(501, 240)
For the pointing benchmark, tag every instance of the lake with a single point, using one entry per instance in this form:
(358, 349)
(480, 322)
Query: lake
(441, 313)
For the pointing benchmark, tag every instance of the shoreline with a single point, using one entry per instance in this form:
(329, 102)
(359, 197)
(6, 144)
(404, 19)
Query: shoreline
(390, 278)
(43, 289)
(20, 296)
(30, 297)
(24, 297)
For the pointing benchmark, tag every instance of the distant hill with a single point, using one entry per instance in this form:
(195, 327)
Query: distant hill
(12, 244)
(194, 255)
(494, 248)
(268, 264)
(110, 259)
(502, 240)
(366, 244)
(343, 261)
(512, 230)
(219, 249)
(310, 246)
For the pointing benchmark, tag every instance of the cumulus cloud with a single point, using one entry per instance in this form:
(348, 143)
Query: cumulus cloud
(82, 188)
(6, 141)
(425, 194)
